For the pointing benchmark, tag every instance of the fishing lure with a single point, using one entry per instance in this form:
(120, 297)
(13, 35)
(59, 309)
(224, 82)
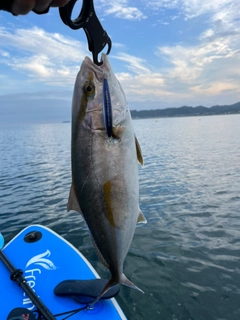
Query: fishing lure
(107, 108)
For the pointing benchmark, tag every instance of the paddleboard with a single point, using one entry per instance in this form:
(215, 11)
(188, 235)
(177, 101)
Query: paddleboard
(47, 260)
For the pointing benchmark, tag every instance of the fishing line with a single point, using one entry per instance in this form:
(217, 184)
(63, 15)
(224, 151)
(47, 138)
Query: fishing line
(68, 313)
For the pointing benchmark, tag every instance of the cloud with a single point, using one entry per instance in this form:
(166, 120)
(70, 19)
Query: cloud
(142, 82)
(37, 40)
(194, 8)
(134, 64)
(4, 54)
(200, 70)
(121, 9)
(55, 63)
(208, 69)
(205, 72)
(190, 62)
(225, 12)
(204, 67)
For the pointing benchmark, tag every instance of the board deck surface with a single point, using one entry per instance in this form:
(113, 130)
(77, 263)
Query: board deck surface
(45, 263)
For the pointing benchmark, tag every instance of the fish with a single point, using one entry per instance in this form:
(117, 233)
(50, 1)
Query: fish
(104, 160)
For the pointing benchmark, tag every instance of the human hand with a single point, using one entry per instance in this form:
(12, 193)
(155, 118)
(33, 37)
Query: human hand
(25, 6)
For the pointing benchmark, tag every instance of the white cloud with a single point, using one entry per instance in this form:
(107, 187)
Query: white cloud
(194, 8)
(47, 57)
(134, 64)
(207, 69)
(4, 54)
(122, 10)
(227, 12)
(141, 82)
(128, 13)
(39, 65)
(191, 61)
(37, 40)
(182, 73)
(202, 73)
(215, 88)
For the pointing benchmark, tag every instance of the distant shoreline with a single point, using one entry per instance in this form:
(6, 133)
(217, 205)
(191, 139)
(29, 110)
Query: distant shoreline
(186, 111)
(186, 116)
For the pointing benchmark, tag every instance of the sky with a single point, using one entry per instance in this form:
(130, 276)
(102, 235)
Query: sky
(166, 53)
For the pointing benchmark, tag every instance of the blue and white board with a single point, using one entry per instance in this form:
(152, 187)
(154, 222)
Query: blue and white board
(45, 263)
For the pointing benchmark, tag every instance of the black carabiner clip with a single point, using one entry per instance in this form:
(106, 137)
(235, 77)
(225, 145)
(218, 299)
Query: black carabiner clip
(97, 37)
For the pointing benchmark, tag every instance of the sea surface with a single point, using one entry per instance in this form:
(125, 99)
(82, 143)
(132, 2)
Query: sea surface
(187, 258)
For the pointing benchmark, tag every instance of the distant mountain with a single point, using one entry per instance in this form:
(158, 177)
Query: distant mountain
(186, 111)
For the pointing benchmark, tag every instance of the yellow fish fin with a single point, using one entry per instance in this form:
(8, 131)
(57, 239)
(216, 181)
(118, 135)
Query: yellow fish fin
(141, 218)
(139, 152)
(73, 202)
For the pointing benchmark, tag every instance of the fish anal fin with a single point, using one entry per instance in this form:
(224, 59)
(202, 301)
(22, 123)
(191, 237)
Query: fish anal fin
(104, 262)
(139, 152)
(141, 218)
(72, 201)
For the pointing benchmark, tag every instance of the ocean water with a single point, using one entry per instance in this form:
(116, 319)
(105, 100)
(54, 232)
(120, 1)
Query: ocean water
(187, 258)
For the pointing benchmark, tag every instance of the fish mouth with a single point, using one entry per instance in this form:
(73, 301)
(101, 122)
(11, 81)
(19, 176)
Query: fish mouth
(98, 111)
(99, 71)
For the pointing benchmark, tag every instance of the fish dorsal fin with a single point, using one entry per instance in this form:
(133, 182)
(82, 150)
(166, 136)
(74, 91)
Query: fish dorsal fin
(104, 262)
(73, 202)
(139, 152)
(141, 218)
(117, 132)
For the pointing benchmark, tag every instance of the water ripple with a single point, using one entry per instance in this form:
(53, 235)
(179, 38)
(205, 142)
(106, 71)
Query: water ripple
(187, 258)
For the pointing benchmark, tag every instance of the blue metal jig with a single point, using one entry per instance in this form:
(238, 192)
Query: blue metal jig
(107, 108)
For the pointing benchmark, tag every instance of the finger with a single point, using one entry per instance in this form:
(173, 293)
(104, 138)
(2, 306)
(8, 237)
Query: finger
(58, 3)
(42, 5)
(22, 6)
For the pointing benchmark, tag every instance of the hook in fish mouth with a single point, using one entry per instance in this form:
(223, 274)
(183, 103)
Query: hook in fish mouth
(107, 108)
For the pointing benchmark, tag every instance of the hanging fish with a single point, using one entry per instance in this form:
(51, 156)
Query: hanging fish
(105, 155)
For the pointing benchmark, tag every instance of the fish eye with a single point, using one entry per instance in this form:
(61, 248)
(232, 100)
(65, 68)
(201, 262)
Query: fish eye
(89, 89)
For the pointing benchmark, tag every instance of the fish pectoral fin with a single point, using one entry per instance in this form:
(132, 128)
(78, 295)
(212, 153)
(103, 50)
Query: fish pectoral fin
(104, 262)
(141, 218)
(73, 202)
(117, 132)
(139, 152)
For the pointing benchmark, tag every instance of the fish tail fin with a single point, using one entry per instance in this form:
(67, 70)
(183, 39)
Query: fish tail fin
(125, 281)
(112, 283)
